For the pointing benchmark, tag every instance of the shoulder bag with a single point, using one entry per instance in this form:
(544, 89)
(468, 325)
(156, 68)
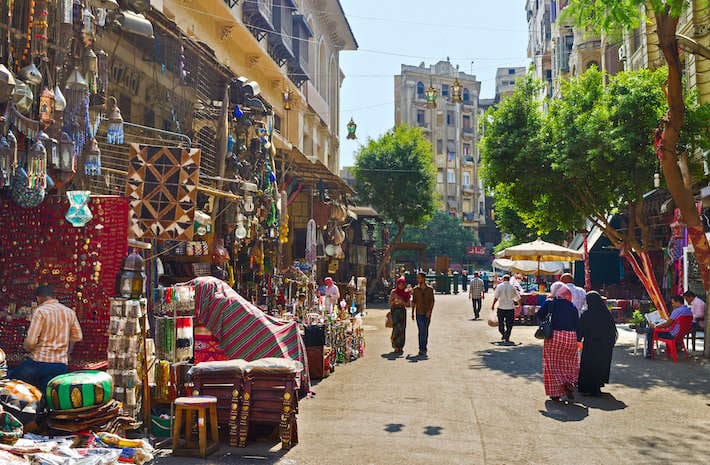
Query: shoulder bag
(544, 330)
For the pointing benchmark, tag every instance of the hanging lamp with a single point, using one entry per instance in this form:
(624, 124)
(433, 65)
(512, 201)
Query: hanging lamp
(114, 133)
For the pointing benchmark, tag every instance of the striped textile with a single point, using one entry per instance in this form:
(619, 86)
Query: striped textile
(52, 328)
(560, 362)
(242, 330)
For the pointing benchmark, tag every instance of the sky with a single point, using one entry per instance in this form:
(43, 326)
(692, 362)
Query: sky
(478, 35)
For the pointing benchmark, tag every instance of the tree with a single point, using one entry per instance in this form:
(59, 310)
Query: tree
(590, 157)
(621, 15)
(444, 234)
(396, 175)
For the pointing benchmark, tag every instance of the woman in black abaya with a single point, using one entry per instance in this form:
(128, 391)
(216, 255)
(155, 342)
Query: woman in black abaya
(598, 332)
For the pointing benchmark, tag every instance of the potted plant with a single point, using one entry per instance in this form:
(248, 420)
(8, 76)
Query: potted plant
(638, 321)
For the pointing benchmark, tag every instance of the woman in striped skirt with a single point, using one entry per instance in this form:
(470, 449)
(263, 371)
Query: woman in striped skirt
(560, 359)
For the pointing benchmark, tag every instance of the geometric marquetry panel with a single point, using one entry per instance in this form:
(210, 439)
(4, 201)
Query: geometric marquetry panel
(162, 188)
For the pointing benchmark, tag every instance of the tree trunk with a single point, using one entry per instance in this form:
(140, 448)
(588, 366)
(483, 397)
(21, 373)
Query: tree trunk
(667, 143)
(372, 287)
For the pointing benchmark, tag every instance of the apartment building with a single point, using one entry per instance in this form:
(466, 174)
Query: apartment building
(292, 49)
(448, 118)
(506, 79)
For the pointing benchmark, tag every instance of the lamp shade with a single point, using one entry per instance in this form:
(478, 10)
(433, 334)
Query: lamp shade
(31, 75)
(7, 84)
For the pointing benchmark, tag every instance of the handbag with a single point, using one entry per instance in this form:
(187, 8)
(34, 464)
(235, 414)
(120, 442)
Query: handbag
(544, 330)
(388, 320)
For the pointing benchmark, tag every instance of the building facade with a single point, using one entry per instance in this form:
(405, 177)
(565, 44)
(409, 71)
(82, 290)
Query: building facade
(452, 128)
(506, 79)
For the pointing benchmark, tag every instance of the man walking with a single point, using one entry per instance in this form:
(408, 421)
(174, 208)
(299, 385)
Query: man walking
(475, 293)
(507, 298)
(53, 331)
(464, 280)
(422, 305)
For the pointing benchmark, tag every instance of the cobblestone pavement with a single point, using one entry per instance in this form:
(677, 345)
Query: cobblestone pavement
(474, 401)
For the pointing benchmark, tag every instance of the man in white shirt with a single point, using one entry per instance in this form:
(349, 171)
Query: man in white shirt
(579, 296)
(507, 298)
(515, 282)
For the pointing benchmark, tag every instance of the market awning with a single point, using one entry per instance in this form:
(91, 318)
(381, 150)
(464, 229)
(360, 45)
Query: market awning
(310, 171)
(363, 212)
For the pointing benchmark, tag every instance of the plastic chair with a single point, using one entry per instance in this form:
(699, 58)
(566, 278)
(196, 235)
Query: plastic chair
(685, 323)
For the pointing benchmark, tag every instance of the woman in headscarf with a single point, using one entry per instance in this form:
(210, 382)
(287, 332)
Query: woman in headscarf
(560, 361)
(598, 332)
(399, 301)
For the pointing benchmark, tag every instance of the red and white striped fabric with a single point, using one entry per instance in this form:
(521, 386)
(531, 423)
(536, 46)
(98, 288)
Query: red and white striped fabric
(560, 362)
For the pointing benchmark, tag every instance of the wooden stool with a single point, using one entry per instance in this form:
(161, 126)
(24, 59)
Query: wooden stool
(184, 408)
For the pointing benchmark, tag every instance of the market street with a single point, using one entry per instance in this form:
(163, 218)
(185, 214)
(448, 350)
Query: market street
(476, 402)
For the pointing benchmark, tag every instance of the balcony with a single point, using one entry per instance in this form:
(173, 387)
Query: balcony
(468, 189)
(468, 160)
(280, 42)
(298, 65)
(257, 17)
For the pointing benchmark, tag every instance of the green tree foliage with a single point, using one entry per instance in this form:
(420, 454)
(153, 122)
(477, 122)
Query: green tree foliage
(396, 175)
(587, 157)
(443, 235)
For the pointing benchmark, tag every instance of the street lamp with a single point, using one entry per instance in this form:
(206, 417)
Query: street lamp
(430, 95)
(456, 92)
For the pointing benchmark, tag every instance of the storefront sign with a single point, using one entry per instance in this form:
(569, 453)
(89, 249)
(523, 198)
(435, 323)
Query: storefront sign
(126, 76)
(475, 250)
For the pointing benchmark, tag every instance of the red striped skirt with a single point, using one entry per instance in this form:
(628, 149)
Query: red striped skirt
(560, 362)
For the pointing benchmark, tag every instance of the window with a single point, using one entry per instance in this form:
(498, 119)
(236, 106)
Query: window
(466, 149)
(466, 179)
(467, 121)
(440, 177)
(420, 118)
(420, 89)
(439, 146)
(445, 90)
(450, 118)
(450, 176)
(277, 122)
(466, 95)
(511, 70)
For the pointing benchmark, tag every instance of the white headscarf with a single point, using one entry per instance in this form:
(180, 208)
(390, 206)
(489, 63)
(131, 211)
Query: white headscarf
(559, 290)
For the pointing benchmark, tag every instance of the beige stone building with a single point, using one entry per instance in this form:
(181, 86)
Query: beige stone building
(506, 79)
(452, 129)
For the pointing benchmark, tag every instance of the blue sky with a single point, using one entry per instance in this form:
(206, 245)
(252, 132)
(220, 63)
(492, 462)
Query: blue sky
(490, 34)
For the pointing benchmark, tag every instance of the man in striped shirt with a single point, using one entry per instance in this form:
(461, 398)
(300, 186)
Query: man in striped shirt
(53, 331)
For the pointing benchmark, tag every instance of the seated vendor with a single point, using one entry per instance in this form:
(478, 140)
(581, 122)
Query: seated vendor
(53, 331)
(679, 310)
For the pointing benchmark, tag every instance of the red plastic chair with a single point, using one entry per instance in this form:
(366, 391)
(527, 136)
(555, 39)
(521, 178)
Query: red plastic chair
(685, 323)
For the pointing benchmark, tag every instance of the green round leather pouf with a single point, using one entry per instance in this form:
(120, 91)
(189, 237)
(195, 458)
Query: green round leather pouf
(79, 389)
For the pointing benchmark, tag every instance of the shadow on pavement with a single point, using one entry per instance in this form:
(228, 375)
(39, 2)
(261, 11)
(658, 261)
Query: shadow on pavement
(416, 358)
(432, 430)
(394, 427)
(258, 452)
(606, 402)
(519, 361)
(564, 412)
(627, 370)
(658, 446)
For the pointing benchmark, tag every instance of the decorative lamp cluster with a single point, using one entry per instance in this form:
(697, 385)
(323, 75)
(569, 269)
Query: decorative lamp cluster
(430, 95)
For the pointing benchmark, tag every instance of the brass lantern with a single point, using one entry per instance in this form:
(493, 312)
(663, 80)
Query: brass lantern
(287, 97)
(352, 127)
(430, 95)
(130, 284)
(456, 92)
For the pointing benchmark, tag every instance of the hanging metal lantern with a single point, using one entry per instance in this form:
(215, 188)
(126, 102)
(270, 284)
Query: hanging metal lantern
(22, 96)
(102, 74)
(92, 165)
(132, 275)
(88, 27)
(6, 163)
(31, 75)
(60, 103)
(430, 95)
(67, 160)
(456, 92)
(46, 106)
(76, 81)
(114, 133)
(287, 96)
(352, 127)
(37, 166)
(7, 84)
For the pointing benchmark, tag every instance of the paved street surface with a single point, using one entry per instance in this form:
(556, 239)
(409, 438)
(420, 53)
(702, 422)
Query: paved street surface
(474, 401)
